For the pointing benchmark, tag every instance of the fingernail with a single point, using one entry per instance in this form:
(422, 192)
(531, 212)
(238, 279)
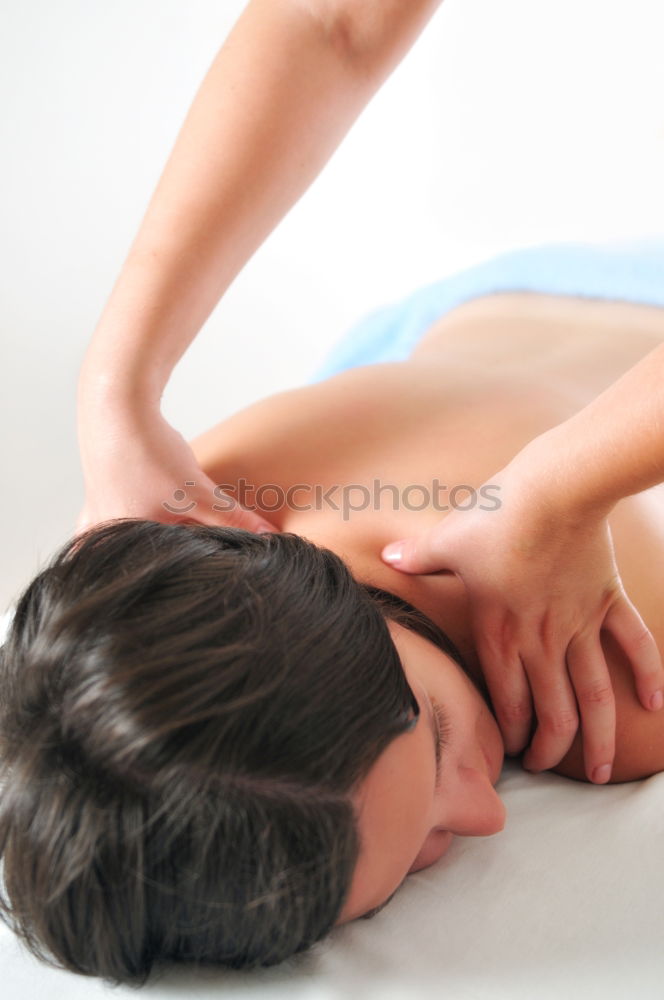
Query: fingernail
(393, 552)
(657, 700)
(602, 774)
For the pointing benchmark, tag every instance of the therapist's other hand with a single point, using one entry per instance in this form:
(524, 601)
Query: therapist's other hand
(138, 465)
(542, 582)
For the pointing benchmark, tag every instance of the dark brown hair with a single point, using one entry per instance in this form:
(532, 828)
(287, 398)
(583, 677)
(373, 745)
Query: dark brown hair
(184, 711)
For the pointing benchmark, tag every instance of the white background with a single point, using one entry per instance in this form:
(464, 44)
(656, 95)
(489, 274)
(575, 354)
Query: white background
(509, 123)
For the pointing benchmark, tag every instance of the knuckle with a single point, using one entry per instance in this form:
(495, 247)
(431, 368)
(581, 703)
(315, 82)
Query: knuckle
(548, 630)
(515, 712)
(563, 723)
(498, 637)
(599, 694)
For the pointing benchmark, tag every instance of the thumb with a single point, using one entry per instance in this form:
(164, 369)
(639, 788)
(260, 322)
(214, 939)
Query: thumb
(417, 554)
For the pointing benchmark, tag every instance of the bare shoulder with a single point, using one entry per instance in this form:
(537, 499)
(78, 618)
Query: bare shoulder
(320, 419)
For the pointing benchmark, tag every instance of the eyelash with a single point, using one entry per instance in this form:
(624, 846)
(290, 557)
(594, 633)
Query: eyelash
(444, 731)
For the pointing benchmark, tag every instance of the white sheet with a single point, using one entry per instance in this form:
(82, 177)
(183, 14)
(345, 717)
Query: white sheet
(566, 901)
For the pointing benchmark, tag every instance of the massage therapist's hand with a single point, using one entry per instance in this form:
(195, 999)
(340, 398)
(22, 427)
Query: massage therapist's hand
(542, 582)
(136, 465)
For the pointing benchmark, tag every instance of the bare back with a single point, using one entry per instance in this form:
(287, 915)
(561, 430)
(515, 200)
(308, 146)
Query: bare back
(483, 381)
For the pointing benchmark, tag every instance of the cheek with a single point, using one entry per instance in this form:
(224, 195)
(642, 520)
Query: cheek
(433, 848)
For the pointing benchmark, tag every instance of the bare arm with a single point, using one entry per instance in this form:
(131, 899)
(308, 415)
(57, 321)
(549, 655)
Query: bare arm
(286, 86)
(279, 97)
(610, 449)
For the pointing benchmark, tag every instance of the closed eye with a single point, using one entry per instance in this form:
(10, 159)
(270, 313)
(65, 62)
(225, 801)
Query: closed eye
(443, 732)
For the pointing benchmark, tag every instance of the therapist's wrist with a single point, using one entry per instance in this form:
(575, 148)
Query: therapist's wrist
(561, 480)
(112, 429)
(107, 383)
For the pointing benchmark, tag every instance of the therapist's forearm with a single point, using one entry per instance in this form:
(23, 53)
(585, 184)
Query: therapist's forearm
(612, 448)
(276, 102)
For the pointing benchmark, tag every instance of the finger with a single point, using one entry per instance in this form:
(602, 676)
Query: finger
(507, 683)
(590, 676)
(236, 516)
(250, 521)
(556, 709)
(417, 554)
(628, 628)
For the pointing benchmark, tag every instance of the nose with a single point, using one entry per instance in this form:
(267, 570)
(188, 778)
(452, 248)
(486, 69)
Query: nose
(472, 808)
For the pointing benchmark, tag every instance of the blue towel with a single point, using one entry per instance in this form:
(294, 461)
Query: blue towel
(629, 272)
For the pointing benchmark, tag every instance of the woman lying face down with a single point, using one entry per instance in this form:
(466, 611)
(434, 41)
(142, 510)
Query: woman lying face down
(217, 745)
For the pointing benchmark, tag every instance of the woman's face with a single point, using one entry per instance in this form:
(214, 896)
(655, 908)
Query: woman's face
(406, 817)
